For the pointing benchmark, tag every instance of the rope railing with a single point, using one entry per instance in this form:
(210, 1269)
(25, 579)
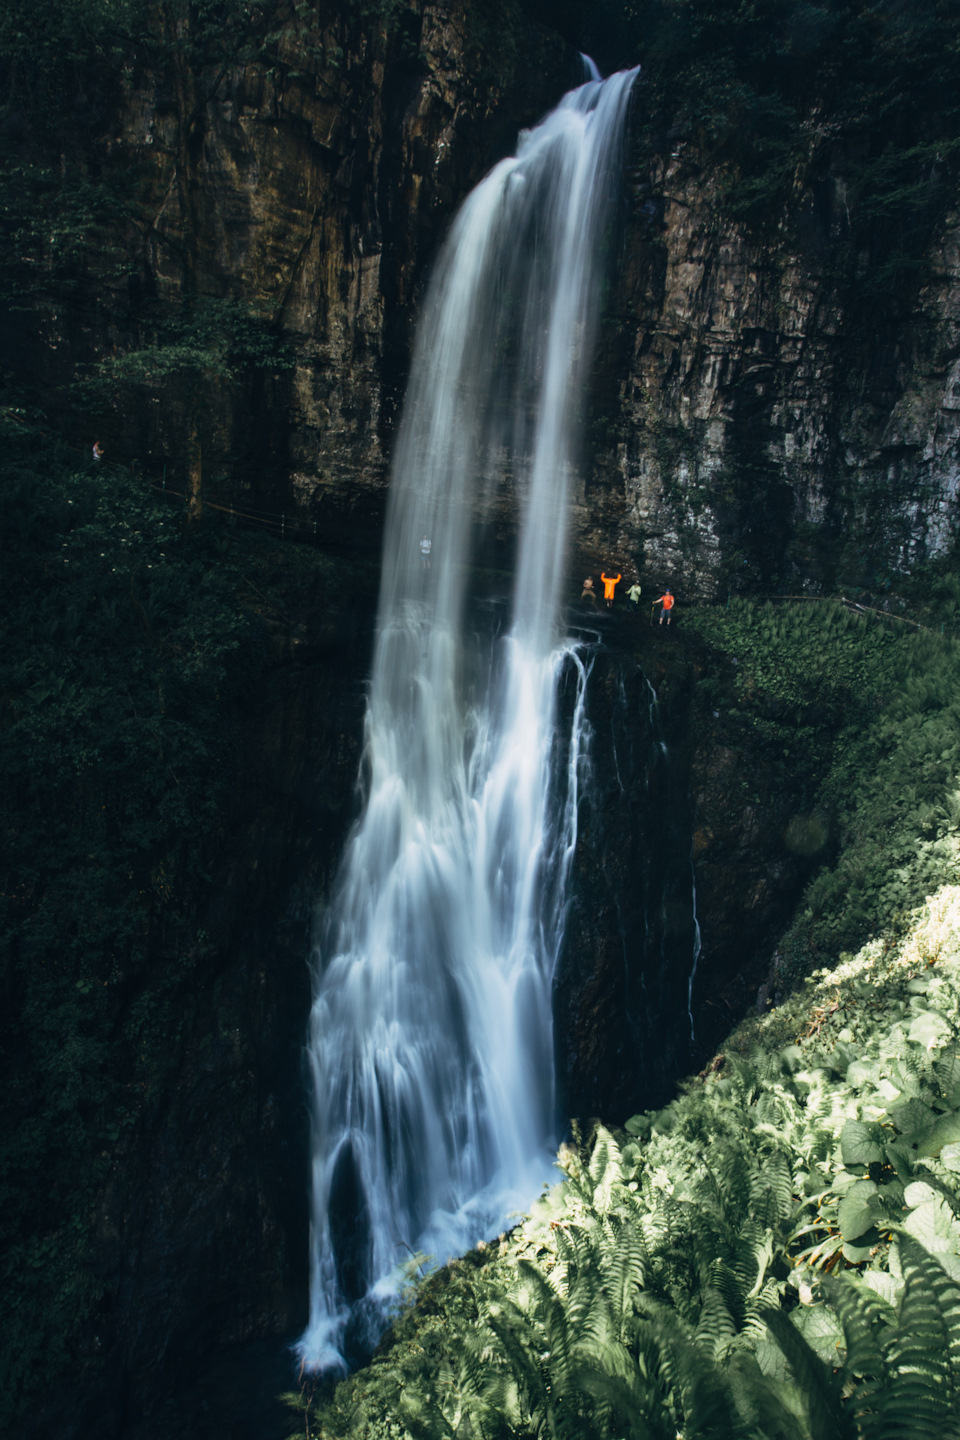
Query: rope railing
(295, 524)
(283, 523)
(851, 605)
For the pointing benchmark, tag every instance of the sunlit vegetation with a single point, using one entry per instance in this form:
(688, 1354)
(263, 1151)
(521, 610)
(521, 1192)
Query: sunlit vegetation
(776, 1253)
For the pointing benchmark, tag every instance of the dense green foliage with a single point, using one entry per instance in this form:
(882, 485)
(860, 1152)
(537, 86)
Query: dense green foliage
(133, 648)
(775, 1254)
(867, 710)
(121, 639)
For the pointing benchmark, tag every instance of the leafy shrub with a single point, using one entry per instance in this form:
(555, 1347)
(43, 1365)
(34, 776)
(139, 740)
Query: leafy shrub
(777, 1252)
(872, 715)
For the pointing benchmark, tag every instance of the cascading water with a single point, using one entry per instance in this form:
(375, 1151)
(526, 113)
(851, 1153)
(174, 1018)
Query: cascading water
(431, 1040)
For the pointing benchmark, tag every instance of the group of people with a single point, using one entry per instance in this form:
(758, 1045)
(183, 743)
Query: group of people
(588, 595)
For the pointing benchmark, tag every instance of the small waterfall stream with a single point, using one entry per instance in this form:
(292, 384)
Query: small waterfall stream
(431, 1043)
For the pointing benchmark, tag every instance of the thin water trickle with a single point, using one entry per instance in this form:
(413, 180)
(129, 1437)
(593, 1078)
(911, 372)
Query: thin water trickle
(431, 1038)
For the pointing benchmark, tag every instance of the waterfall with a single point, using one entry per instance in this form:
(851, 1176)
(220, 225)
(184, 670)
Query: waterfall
(430, 1043)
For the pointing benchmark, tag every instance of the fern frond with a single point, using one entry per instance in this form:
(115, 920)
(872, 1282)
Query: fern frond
(533, 1394)
(729, 1285)
(605, 1169)
(716, 1329)
(921, 1384)
(815, 1381)
(631, 1406)
(771, 1198)
(697, 1385)
(761, 1402)
(861, 1315)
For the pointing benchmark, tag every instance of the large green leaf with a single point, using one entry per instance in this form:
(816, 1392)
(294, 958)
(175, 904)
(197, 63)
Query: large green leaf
(946, 1131)
(856, 1214)
(860, 1142)
(950, 1158)
(929, 1030)
(938, 1231)
(857, 1252)
(913, 1119)
(820, 1327)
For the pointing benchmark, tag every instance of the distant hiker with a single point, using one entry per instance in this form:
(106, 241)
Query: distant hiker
(633, 595)
(609, 585)
(97, 450)
(666, 603)
(426, 545)
(588, 596)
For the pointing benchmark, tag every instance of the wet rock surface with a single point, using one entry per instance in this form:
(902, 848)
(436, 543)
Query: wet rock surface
(684, 874)
(759, 426)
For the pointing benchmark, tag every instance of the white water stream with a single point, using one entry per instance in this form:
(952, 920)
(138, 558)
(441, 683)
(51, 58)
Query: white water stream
(431, 1040)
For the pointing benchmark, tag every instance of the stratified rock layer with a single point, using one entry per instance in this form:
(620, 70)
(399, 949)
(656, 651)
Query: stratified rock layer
(771, 429)
(316, 191)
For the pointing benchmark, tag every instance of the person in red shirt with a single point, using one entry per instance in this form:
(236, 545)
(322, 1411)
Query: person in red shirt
(666, 603)
(609, 585)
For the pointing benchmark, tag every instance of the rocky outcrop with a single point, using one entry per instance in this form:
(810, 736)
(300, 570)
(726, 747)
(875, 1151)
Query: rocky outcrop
(693, 848)
(314, 188)
(756, 424)
(770, 429)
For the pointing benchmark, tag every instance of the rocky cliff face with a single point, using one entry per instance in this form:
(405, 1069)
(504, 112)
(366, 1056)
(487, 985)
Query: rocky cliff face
(771, 430)
(755, 423)
(316, 190)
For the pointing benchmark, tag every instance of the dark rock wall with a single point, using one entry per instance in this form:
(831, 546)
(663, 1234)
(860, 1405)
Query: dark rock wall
(683, 879)
(756, 424)
(200, 1235)
(763, 427)
(316, 190)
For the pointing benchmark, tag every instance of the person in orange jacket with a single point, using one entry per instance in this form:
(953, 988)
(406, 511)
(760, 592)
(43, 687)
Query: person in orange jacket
(666, 602)
(609, 585)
